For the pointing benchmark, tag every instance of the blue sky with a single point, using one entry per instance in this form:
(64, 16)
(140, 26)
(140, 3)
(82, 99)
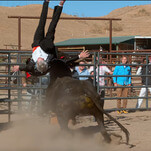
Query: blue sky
(83, 8)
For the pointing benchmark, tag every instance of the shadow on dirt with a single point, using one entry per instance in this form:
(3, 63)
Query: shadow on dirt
(5, 126)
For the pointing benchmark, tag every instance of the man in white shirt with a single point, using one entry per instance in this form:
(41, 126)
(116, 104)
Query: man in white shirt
(44, 52)
(43, 46)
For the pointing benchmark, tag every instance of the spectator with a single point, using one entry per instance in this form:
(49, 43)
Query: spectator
(31, 93)
(102, 71)
(82, 70)
(122, 81)
(142, 71)
(33, 80)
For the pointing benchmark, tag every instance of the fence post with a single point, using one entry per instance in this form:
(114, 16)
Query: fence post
(94, 70)
(19, 84)
(98, 72)
(9, 91)
(147, 81)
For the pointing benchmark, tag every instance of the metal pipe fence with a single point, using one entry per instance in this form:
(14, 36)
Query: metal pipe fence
(132, 65)
(16, 92)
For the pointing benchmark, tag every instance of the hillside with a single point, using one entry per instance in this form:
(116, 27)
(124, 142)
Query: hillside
(136, 20)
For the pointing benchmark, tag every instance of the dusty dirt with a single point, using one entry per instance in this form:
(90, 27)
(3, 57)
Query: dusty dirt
(31, 132)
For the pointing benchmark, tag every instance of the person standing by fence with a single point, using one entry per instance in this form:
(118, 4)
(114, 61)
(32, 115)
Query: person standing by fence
(82, 70)
(122, 81)
(142, 71)
(103, 69)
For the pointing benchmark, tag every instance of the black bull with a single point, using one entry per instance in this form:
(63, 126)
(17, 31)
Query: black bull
(69, 97)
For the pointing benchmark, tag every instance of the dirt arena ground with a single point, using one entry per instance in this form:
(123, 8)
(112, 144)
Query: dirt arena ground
(34, 133)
